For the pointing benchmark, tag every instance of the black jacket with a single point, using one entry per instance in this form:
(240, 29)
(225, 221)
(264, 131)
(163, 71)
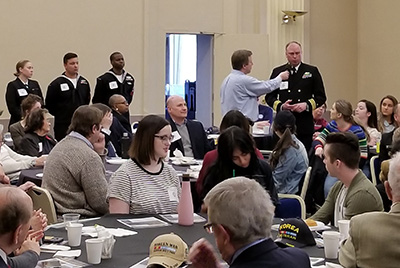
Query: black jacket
(268, 254)
(261, 172)
(62, 99)
(305, 85)
(198, 139)
(108, 85)
(35, 145)
(16, 92)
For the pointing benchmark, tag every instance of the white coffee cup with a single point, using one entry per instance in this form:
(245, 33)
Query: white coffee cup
(344, 226)
(74, 231)
(94, 247)
(331, 244)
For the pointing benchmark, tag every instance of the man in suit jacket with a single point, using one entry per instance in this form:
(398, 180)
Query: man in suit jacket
(241, 223)
(374, 237)
(302, 93)
(65, 94)
(193, 139)
(15, 214)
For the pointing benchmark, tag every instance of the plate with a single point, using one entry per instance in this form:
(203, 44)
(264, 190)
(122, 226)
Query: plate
(116, 161)
(320, 226)
(184, 161)
(39, 175)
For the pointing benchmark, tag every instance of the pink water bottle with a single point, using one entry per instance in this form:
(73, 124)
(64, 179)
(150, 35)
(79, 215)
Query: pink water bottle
(185, 206)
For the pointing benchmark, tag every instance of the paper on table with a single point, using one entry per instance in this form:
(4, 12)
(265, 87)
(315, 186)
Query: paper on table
(143, 264)
(117, 232)
(54, 247)
(63, 224)
(328, 265)
(69, 253)
(148, 222)
(315, 260)
(173, 218)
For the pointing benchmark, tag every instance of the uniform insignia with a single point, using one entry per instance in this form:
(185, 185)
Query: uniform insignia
(307, 75)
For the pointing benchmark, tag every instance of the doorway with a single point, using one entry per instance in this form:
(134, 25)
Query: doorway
(188, 73)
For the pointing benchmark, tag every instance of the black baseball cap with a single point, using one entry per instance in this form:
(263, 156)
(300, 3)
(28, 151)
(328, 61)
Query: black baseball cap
(294, 233)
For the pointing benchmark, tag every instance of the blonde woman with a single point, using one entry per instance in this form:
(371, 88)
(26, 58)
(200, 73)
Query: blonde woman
(19, 89)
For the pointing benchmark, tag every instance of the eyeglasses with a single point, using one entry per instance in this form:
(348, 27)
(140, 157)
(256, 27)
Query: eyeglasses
(209, 227)
(165, 138)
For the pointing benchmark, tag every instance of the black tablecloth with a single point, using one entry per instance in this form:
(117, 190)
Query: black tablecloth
(30, 174)
(132, 249)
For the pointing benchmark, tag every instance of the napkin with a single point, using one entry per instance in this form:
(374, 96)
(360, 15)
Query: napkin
(117, 232)
(177, 153)
(68, 253)
(108, 242)
(54, 247)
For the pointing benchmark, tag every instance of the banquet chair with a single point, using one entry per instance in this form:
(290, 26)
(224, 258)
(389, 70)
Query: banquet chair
(306, 182)
(41, 198)
(266, 154)
(292, 206)
(375, 166)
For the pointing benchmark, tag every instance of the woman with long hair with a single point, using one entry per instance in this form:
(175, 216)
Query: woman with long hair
(37, 141)
(366, 115)
(19, 89)
(237, 157)
(289, 160)
(232, 118)
(386, 122)
(342, 121)
(144, 184)
(17, 130)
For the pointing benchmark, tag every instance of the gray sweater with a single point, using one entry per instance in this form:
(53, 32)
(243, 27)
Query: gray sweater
(75, 176)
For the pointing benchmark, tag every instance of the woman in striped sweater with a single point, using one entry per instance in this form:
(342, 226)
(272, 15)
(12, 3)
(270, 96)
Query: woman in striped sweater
(342, 121)
(144, 184)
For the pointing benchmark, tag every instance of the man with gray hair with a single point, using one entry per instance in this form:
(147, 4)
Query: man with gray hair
(375, 236)
(15, 214)
(240, 214)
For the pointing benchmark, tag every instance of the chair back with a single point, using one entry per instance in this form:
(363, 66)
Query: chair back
(375, 166)
(292, 206)
(266, 154)
(306, 182)
(41, 198)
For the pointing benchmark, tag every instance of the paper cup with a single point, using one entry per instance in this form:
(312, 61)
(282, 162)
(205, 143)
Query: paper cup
(331, 244)
(344, 229)
(94, 247)
(74, 231)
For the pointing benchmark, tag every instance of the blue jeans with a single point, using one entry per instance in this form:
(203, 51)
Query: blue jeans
(329, 182)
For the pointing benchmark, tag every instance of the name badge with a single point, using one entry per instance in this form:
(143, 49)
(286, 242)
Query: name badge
(173, 194)
(284, 85)
(22, 92)
(113, 85)
(64, 87)
(40, 147)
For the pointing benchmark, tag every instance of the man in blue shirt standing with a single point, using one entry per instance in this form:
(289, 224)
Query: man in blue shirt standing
(239, 91)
